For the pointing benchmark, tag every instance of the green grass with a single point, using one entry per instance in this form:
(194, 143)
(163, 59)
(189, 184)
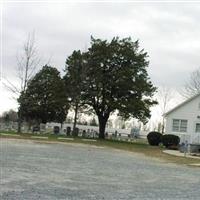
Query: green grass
(8, 132)
(137, 146)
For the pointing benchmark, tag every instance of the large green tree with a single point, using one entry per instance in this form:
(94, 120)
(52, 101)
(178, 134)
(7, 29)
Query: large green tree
(117, 79)
(45, 98)
(74, 81)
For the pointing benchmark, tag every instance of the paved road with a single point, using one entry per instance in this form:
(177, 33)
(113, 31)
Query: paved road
(31, 170)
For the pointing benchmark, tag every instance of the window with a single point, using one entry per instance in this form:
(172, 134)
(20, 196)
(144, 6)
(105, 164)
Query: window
(175, 125)
(179, 125)
(197, 130)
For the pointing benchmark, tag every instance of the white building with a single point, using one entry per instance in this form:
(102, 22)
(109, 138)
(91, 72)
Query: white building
(184, 120)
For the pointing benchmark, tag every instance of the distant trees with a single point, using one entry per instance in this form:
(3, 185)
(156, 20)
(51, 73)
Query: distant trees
(9, 116)
(27, 63)
(165, 96)
(192, 87)
(110, 76)
(45, 98)
(93, 122)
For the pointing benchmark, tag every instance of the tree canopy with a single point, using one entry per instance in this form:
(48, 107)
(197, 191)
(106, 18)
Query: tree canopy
(45, 98)
(110, 76)
(116, 79)
(192, 86)
(74, 81)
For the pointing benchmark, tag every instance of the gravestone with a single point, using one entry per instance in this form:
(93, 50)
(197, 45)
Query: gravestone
(56, 130)
(68, 131)
(84, 133)
(75, 132)
(42, 127)
(135, 132)
(36, 129)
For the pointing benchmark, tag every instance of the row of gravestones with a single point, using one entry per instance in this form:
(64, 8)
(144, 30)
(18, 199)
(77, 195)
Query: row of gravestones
(42, 128)
(79, 132)
(90, 133)
(68, 131)
(9, 127)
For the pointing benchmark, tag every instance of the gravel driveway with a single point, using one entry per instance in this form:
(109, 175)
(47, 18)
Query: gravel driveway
(33, 170)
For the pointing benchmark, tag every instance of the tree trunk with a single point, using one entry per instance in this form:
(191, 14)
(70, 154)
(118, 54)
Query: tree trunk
(163, 125)
(29, 125)
(61, 125)
(19, 126)
(75, 118)
(102, 126)
(19, 121)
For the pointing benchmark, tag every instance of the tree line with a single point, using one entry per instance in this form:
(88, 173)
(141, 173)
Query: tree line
(109, 76)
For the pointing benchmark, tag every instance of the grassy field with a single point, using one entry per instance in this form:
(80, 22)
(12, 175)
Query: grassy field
(137, 146)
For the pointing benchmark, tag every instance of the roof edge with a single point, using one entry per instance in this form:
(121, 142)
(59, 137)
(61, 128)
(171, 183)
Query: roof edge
(181, 104)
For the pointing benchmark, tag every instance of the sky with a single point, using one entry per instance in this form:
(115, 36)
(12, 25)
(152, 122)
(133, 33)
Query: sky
(168, 32)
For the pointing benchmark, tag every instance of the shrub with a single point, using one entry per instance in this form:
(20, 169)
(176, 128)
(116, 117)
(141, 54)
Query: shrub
(170, 140)
(154, 138)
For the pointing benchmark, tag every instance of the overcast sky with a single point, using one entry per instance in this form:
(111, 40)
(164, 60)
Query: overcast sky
(169, 32)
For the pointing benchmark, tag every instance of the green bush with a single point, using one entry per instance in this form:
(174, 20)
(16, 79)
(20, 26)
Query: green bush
(154, 138)
(170, 140)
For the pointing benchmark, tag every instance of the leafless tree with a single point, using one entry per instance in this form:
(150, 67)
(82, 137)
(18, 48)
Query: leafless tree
(165, 96)
(27, 63)
(192, 87)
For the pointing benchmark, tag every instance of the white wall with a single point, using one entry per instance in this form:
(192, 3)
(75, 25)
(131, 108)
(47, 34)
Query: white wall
(188, 111)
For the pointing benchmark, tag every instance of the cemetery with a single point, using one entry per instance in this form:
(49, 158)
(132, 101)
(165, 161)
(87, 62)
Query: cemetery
(88, 95)
(84, 131)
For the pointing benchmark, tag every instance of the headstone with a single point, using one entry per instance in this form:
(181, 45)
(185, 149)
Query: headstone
(96, 134)
(75, 132)
(42, 127)
(106, 134)
(56, 129)
(88, 133)
(83, 133)
(135, 132)
(68, 131)
(115, 134)
(36, 129)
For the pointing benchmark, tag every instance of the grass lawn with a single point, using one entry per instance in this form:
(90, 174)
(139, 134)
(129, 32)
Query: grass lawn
(137, 146)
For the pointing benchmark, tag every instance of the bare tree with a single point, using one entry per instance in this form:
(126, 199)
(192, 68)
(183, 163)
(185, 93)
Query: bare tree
(165, 96)
(192, 87)
(27, 63)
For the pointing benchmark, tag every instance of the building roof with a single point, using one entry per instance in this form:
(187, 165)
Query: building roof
(181, 104)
